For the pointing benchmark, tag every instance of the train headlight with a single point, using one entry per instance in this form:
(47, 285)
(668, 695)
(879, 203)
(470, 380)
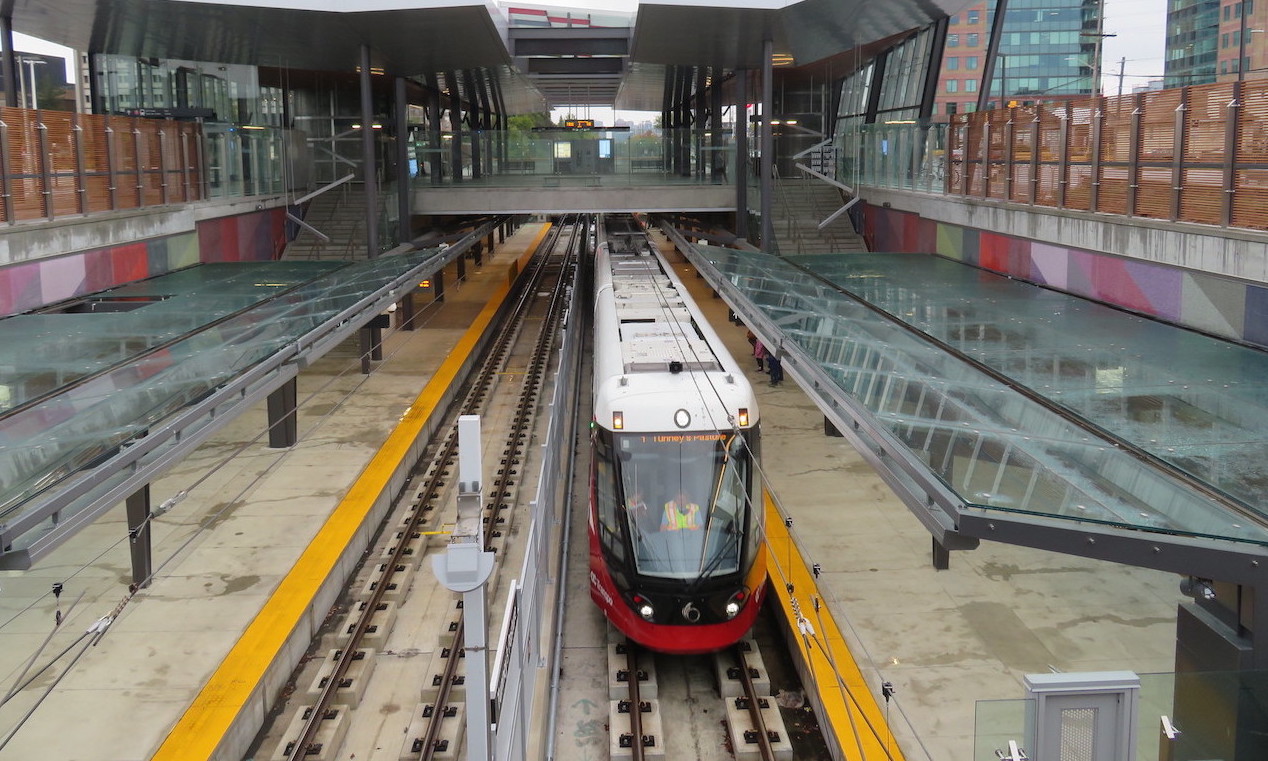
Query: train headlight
(618, 420)
(736, 602)
(644, 607)
(743, 416)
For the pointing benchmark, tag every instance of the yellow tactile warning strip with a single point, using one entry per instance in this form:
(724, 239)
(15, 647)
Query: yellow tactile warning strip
(854, 719)
(212, 714)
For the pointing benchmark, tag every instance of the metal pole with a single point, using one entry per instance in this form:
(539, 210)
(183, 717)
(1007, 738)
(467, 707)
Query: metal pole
(741, 153)
(1241, 43)
(8, 63)
(455, 124)
(465, 567)
(368, 165)
(767, 145)
(404, 180)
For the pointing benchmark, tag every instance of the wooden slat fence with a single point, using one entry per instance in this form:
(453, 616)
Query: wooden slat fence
(58, 163)
(1192, 154)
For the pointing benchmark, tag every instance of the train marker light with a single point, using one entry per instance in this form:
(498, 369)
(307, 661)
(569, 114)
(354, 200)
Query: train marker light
(644, 607)
(744, 416)
(682, 418)
(618, 420)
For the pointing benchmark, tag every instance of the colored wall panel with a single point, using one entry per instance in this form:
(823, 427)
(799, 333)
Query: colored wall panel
(1159, 285)
(98, 270)
(950, 241)
(993, 251)
(61, 278)
(1049, 264)
(1112, 281)
(1216, 305)
(131, 262)
(1255, 328)
(1213, 304)
(23, 286)
(182, 251)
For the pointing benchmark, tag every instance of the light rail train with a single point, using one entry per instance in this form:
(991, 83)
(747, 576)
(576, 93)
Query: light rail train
(676, 561)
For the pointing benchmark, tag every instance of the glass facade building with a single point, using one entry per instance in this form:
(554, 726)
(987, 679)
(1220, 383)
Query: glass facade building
(1193, 36)
(1048, 50)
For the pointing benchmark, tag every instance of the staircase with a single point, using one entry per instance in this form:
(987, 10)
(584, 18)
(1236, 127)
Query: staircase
(340, 215)
(801, 204)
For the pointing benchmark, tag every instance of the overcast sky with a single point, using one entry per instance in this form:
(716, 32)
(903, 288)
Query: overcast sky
(1141, 26)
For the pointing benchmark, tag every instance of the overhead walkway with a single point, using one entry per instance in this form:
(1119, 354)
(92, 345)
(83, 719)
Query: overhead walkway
(1001, 410)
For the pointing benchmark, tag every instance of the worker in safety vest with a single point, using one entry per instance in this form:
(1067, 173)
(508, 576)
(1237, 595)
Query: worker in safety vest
(681, 514)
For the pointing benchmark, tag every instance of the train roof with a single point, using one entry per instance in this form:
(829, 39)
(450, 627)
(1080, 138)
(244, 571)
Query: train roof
(655, 323)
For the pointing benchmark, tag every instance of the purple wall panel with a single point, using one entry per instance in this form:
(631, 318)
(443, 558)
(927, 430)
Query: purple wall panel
(1049, 265)
(1256, 325)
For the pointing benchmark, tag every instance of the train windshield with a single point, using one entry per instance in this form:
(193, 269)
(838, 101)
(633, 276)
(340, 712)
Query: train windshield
(687, 495)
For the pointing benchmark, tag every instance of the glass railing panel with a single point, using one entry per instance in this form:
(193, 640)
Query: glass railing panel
(575, 157)
(997, 722)
(902, 155)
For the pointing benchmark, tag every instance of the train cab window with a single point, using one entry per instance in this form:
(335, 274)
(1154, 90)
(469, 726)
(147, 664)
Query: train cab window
(605, 498)
(695, 489)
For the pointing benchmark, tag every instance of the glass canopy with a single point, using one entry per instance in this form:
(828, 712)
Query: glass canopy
(82, 380)
(1025, 400)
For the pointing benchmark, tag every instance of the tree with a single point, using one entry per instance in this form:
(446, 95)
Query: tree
(527, 122)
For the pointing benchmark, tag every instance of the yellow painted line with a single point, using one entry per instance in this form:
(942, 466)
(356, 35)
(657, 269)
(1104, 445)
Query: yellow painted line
(209, 718)
(853, 715)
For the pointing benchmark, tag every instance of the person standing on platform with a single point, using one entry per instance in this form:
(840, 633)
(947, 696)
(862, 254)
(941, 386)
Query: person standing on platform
(776, 368)
(759, 354)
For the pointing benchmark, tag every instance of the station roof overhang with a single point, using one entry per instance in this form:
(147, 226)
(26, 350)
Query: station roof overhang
(417, 37)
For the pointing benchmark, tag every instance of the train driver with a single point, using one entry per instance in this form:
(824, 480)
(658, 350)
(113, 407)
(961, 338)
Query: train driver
(681, 514)
(637, 508)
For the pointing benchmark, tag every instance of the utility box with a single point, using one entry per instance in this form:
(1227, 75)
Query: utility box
(1089, 716)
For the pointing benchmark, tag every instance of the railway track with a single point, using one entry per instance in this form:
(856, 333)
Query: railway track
(663, 707)
(341, 665)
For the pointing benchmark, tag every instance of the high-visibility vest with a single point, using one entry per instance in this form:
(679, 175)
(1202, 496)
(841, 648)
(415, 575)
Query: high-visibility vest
(676, 521)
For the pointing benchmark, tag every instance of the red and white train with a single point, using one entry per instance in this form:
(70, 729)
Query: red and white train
(676, 556)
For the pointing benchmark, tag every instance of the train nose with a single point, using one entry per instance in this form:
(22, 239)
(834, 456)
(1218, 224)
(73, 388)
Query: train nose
(691, 613)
